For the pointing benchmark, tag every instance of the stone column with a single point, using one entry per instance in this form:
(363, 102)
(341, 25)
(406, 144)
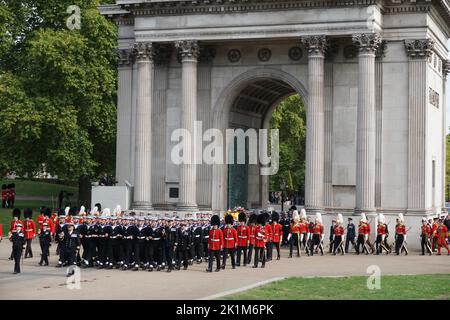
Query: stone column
(418, 52)
(366, 116)
(445, 72)
(143, 174)
(189, 52)
(124, 111)
(314, 176)
(380, 53)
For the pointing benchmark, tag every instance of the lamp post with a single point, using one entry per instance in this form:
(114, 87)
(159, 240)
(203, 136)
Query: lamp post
(282, 187)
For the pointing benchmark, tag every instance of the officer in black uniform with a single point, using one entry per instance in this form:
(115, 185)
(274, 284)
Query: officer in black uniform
(18, 245)
(285, 225)
(140, 256)
(128, 242)
(350, 234)
(205, 238)
(90, 236)
(45, 238)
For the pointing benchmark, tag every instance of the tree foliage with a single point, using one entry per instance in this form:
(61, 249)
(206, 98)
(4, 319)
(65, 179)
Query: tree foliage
(289, 118)
(57, 89)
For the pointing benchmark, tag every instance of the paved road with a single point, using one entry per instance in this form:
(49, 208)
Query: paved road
(50, 283)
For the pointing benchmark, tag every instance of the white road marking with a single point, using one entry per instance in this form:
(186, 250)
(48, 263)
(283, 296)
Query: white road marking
(233, 291)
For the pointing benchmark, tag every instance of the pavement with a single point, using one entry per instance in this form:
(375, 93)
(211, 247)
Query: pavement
(36, 282)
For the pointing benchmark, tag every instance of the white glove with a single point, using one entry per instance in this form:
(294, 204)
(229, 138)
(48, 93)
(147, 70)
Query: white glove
(289, 236)
(301, 237)
(307, 236)
(343, 237)
(382, 237)
(404, 237)
(322, 237)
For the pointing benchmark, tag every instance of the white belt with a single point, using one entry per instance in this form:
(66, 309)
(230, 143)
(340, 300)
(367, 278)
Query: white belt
(155, 238)
(198, 236)
(242, 237)
(229, 238)
(215, 239)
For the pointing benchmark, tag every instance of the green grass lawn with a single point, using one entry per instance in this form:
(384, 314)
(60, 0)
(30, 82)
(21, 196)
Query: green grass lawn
(40, 188)
(36, 189)
(432, 286)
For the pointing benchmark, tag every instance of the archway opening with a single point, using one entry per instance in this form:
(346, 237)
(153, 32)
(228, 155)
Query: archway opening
(265, 103)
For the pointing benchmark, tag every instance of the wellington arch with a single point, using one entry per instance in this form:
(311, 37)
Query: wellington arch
(372, 74)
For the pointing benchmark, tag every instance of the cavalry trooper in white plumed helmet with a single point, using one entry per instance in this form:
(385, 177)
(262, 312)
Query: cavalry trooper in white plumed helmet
(381, 235)
(317, 235)
(304, 230)
(363, 235)
(339, 235)
(400, 236)
(294, 234)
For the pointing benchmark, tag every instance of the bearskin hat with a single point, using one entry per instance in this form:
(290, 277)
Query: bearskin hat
(16, 213)
(48, 212)
(275, 216)
(229, 219)
(215, 220)
(72, 211)
(61, 212)
(267, 216)
(99, 207)
(42, 210)
(252, 218)
(12, 185)
(27, 213)
(242, 217)
(261, 219)
(3, 186)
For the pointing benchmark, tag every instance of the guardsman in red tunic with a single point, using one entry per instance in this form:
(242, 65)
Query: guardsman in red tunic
(252, 225)
(4, 196)
(40, 219)
(260, 241)
(229, 241)
(400, 236)
(339, 237)
(318, 235)
(12, 227)
(294, 234)
(215, 243)
(434, 236)
(269, 233)
(304, 231)
(243, 239)
(381, 235)
(29, 228)
(277, 234)
(11, 195)
(442, 235)
(425, 237)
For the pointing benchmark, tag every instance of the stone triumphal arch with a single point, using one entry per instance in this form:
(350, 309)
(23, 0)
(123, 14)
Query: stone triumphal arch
(371, 72)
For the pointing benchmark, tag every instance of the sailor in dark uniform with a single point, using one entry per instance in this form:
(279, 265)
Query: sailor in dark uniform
(171, 242)
(18, 245)
(185, 242)
(45, 239)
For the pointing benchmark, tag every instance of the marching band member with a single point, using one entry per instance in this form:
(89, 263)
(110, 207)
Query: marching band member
(425, 237)
(339, 236)
(317, 235)
(400, 236)
(243, 239)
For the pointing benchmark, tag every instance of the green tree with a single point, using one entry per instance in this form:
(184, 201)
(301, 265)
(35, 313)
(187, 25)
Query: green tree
(289, 118)
(57, 91)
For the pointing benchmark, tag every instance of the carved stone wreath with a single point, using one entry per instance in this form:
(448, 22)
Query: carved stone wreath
(234, 55)
(295, 53)
(350, 51)
(264, 54)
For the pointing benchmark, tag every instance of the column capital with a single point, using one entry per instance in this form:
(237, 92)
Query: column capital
(315, 44)
(188, 49)
(124, 57)
(417, 49)
(367, 42)
(445, 68)
(143, 51)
